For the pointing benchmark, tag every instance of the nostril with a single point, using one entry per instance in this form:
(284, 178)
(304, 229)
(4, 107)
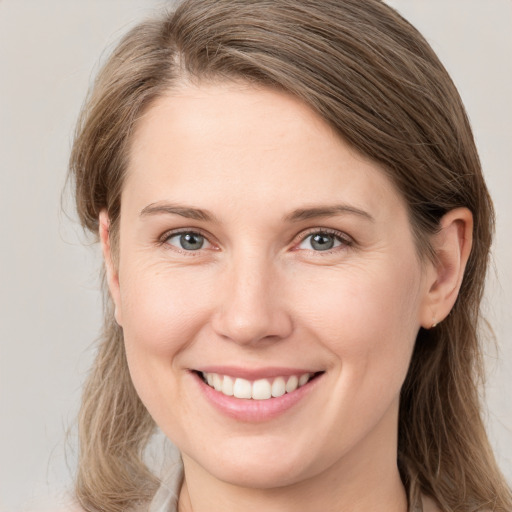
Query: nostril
(247, 326)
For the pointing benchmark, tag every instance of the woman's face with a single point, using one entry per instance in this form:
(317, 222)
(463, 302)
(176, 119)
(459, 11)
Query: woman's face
(259, 252)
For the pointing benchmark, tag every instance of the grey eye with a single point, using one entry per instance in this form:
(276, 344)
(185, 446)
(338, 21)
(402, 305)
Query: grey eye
(320, 242)
(188, 241)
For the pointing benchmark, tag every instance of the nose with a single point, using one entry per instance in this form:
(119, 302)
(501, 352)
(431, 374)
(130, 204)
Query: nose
(251, 307)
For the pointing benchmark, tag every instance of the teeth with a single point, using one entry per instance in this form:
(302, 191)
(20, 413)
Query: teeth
(242, 389)
(292, 384)
(217, 382)
(261, 389)
(303, 379)
(227, 386)
(278, 387)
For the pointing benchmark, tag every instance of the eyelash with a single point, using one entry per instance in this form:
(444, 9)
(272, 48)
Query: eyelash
(345, 240)
(170, 234)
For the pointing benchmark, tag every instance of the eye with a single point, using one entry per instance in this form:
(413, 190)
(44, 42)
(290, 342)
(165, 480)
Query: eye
(187, 241)
(322, 241)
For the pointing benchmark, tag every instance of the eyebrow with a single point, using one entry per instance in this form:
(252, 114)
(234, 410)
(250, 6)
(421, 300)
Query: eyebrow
(183, 211)
(297, 215)
(326, 211)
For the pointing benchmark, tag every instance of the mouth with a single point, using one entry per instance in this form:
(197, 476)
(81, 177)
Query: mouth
(259, 389)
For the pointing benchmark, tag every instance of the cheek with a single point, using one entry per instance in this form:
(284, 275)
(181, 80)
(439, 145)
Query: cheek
(163, 312)
(161, 308)
(366, 317)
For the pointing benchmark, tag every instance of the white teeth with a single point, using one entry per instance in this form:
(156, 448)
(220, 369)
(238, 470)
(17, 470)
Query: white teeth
(227, 386)
(292, 384)
(242, 389)
(278, 387)
(217, 382)
(261, 389)
(303, 379)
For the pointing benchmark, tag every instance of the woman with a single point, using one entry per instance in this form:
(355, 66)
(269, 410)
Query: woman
(296, 232)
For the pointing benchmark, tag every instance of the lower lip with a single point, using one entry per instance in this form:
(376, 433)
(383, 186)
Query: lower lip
(249, 410)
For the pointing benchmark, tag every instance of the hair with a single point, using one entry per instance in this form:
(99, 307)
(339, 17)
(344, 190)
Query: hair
(372, 77)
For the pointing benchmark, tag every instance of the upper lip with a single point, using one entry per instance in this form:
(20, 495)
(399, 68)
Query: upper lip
(254, 373)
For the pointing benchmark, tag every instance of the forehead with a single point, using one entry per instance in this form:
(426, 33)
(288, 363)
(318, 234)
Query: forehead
(230, 115)
(234, 141)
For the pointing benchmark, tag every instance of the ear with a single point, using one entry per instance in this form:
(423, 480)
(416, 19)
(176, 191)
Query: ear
(452, 246)
(111, 269)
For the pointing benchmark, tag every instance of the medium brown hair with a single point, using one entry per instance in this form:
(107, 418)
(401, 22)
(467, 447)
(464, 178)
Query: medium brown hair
(369, 74)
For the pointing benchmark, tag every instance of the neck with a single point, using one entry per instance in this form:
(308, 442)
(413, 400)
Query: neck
(366, 478)
(386, 496)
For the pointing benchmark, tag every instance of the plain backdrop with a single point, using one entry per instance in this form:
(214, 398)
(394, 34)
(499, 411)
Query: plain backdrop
(50, 305)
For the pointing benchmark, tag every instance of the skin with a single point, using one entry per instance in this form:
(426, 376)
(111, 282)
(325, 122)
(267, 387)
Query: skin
(259, 294)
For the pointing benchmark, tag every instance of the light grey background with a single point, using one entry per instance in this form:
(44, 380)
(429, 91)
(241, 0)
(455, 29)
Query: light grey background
(50, 306)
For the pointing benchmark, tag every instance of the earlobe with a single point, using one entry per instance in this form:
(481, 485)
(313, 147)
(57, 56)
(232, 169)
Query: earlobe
(452, 246)
(110, 267)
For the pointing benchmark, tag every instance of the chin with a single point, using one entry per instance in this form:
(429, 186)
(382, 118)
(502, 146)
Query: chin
(261, 463)
(259, 474)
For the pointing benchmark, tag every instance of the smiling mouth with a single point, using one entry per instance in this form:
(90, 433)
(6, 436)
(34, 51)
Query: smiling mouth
(261, 389)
